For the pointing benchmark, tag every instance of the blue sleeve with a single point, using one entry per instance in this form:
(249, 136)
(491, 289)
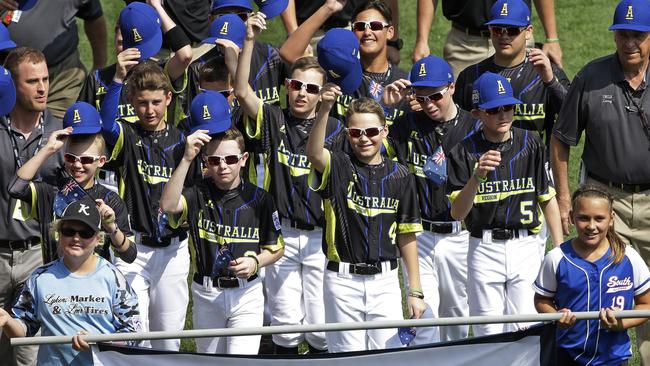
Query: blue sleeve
(110, 127)
(25, 307)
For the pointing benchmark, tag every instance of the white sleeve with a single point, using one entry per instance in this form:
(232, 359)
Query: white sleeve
(546, 282)
(640, 270)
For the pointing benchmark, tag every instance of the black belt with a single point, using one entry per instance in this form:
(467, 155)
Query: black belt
(500, 234)
(164, 242)
(20, 244)
(485, 33)
(364, 269)
(222, 282)
(438, 227)
(629, 188)
(298, 225)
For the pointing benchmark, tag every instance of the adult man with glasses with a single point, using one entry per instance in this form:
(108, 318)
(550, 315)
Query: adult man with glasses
(468, 40)
(24, 129)
(418, 139)
(609, 102)
(539, 84)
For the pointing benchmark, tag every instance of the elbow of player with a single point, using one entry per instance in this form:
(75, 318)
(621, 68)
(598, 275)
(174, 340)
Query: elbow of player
(456, 213)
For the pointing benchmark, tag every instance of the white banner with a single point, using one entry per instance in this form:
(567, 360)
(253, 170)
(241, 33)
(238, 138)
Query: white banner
(518, 348)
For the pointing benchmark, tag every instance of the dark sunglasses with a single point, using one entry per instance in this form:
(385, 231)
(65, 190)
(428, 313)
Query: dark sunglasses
(369, 132)
(434, 97)
(228, 159)
(374, 25)
(84, 234)
(503, 108)
(510, 31)
(72, 158)
(296, 85)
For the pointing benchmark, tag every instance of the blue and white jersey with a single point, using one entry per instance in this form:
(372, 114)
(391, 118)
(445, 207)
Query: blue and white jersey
(62, 303)
(579, 285)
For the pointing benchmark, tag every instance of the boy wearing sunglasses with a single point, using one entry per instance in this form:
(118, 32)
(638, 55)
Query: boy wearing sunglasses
(234, 226)
(498, 185)
(540, 85)
(371, 24)
(420, 139)
(372, 216)
(80, 293)
(84, 155)
(294, 283)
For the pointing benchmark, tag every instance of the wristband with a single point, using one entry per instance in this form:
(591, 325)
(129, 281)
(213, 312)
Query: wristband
(122, 243)
(552, 40)
(479, 179)
(257, 263)
(418, 295)
(176, 38)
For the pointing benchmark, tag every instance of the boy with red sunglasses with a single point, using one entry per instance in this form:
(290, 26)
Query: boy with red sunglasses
(498, 184)
(294, 283)
(540, 85)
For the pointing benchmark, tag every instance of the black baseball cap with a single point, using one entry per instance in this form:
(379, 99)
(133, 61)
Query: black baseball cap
(84, 211)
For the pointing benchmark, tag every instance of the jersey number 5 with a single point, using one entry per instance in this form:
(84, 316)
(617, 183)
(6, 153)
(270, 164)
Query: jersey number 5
(526, 208)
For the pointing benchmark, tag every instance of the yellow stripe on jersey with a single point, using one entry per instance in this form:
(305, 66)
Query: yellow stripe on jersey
(153, 174)
(119, 144)
(499, 196)
(330, 231)
(176, 220)
(298, 164)
(370, 206)
(222, 239)
(312, 180)
(255, 132)
(390, 149)
(267, 175)
(408, 228)
(279, 244)
(33, 212)
(546, 197)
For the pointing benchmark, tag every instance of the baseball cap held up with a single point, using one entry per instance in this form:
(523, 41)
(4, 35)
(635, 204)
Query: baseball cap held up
(210, 111)
(140, 27)
(510, 12)
(229, 27)
(271, 8)
(5, 38)
(83, 118)
(492, 90)
(7, 92)
(632, 15)
(338, 54)
(83, 211)
(431, 71)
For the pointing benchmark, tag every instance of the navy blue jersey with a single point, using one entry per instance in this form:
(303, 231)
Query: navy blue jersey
(580, 285)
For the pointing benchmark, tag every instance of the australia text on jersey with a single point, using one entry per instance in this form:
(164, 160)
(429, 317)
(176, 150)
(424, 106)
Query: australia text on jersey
(215, 232)
(298, 164)
(154, 174)
(494, 191)
(414, 161)
(370, 206)
(530, 111)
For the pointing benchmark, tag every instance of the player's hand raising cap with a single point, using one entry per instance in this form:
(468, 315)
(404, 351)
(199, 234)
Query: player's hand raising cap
(492, 90)
(210, 111)
(632, 15)
(228, 26)
(140, 28)
(83, 118)
(338, 55)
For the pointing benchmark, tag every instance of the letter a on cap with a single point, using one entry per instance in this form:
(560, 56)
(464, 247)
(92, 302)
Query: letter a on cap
(504, 10)
(423, 70)
(630, 14)
(224, 28)
(206, 112)
(500, 88)
(136, 36)
(76, 118)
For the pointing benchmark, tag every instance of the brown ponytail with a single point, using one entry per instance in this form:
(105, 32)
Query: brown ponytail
(615, 242)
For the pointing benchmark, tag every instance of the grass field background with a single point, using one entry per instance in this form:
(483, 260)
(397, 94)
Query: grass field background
(582, 28)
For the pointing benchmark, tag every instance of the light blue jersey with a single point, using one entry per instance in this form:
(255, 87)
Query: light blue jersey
(62, 303)
(579, 285)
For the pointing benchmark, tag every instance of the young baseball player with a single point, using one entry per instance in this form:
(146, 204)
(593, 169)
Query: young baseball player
(79, 293)
(372, 216)
(294, 283)
(234, 226)
(145, 155)
(594, 271)
(539, 84)
(371, 25)
(498, 184)
(84, 155)
(420, 140)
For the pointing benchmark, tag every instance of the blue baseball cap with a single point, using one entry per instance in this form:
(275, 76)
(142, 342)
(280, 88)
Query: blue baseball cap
(5, 38)
(26, 4)
(632, 15)
(210, 111)
(492, 90)
(83, 118)
(510, 12)
(140, 27)
(271, 8)
(218, 4)
(338, 54)
(228, 26)
(431, 71)
(7, 92)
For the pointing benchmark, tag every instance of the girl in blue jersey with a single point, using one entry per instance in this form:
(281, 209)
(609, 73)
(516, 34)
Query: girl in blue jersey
(595, 271)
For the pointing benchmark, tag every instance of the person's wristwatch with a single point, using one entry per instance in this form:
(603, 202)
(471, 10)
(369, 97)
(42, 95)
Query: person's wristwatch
(397, 43)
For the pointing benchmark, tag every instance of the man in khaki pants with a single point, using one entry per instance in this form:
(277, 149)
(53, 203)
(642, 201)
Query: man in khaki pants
(468, 41)
(607, 100)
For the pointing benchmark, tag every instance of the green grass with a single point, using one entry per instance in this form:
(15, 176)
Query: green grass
(582, 27)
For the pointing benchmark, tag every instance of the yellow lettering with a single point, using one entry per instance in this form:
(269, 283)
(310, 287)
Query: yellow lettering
(136, 36)
(504, 10)
(423, 70)
(500, 88)
(224, 28)
(630, 13)
(206, 112)
(76, 118)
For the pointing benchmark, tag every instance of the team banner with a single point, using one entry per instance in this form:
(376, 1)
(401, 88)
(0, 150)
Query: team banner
(531, 347)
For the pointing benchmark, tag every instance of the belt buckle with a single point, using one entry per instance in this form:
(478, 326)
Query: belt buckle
(219, 285)
(501, 234)
(18, 245)
(365, 269)
(445, 228)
